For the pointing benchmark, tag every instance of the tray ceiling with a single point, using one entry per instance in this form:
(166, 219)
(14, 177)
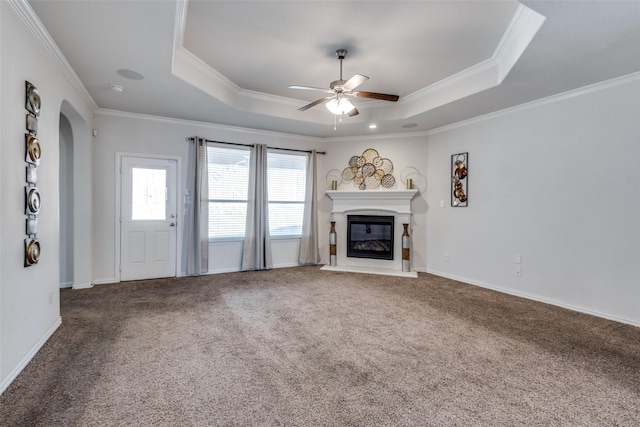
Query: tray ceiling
(231, 62)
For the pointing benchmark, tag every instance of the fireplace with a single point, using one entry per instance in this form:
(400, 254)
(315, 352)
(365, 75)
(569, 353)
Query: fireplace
(393, 207)
(370, 236)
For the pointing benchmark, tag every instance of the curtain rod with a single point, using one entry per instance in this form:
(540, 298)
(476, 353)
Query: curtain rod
(191, 139)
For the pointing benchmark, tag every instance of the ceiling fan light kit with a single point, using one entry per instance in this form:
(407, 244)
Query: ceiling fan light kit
(339, 106)
(340, 91)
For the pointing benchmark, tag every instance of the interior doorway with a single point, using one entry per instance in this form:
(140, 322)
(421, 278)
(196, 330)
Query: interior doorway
(74, 199)
(66, 202)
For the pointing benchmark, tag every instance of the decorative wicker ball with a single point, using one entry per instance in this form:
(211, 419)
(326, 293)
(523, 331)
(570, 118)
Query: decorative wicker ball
(368, 169)
(388, 181)
(348, 174)
(369, 154)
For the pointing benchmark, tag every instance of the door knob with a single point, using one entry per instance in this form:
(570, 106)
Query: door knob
(173, 224)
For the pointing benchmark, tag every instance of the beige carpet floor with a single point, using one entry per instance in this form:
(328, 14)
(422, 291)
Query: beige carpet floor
(304, 347)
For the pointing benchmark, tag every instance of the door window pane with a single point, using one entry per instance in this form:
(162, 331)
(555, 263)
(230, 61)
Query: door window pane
(148, 194)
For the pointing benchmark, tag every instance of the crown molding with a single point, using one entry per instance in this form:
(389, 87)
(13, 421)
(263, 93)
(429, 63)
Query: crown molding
(208, 125)
(28, 16)
(585, 90)
(524, 25)
(522, 28)
(180, 24)
(377, 137)
(421, 134)
(193, 70)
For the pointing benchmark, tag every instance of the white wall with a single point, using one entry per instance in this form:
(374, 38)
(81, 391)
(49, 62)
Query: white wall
(29, 297)
(119, 132)
(553, 182)
(408, 153)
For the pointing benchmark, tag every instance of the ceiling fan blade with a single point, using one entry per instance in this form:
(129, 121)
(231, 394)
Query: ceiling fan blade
(353, 112)
(316, 102)
(374, 95)
(354, 82)
(310, 88)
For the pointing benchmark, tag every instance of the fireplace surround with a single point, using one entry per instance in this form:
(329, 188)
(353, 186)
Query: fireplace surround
(395, 204)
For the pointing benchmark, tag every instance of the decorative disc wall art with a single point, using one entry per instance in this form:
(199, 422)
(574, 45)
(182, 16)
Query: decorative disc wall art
(32, 159)
(460, 180)
(369, 171)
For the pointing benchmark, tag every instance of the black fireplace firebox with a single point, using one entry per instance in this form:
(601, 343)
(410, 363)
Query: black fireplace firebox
(370, 236)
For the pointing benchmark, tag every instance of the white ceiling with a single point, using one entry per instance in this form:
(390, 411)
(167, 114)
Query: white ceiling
(231, 62)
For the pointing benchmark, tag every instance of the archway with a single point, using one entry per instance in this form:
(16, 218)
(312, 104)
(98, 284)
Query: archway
(75, 198)
(66, 202)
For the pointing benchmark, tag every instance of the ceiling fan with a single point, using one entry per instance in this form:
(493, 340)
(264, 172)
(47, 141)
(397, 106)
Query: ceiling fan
(338, 102)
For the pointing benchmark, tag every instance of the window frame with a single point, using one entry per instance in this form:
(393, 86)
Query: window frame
(304, 156)
(226, 239)
(241, 237)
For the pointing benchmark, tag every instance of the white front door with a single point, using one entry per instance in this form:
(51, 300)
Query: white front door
(148, 220)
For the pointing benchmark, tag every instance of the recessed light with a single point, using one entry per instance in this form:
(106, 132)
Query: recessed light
(117, 88)
(409, 125)
(130, 74)
(373, 126)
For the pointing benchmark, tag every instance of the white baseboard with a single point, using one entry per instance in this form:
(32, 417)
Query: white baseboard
(104, 281)
(222, 270)
(286, 265)
(30, 354)
(82, 286)
(538, 298)
(237, 270)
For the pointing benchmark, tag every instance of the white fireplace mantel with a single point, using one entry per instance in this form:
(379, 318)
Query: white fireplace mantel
(396, 201)
(371, 202)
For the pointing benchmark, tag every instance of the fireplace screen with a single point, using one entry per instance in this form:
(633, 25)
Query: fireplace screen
(370, 236)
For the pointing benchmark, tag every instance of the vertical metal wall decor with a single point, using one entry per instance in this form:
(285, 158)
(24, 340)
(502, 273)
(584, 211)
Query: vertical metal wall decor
(459, 180)
(32, 158)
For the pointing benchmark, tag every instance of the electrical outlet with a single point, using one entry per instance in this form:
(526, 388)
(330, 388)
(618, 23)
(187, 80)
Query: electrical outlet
(518, 270)
(445, 257)
(442, 203)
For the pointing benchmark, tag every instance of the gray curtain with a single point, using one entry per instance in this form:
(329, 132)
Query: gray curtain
(309, 251)
(256, 253)
(196, 240)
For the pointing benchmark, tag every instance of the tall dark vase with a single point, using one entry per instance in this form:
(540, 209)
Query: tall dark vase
(333, 261)
(406, 256)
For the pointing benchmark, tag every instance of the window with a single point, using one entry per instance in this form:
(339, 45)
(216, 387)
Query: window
(287, 179)
(228, 172)
(148, 194)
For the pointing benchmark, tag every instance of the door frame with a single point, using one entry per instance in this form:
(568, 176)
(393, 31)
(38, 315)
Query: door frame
(118, 202)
